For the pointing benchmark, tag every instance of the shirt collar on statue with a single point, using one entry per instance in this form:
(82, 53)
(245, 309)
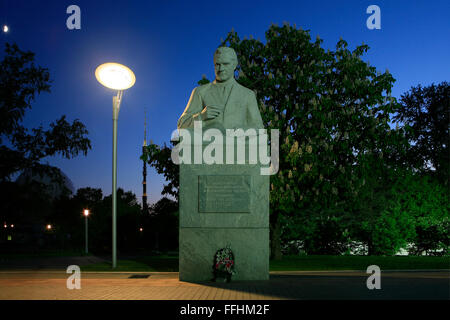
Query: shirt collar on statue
(228, 84)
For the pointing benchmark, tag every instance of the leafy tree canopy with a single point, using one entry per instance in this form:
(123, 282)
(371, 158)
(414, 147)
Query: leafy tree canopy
(161, 159)
(426, 111)
(20, 83)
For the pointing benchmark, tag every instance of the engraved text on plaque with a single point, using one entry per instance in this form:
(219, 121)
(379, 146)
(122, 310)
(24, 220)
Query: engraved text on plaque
(225, 193)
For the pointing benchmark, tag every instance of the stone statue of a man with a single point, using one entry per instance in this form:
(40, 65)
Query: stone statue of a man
(224, 103)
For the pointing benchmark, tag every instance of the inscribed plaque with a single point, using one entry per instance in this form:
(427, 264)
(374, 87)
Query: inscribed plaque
(227, 193)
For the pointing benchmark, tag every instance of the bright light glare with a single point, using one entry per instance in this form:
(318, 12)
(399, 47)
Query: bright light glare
(86, 212)
(49, 227)
(115, 76)
(5, 28)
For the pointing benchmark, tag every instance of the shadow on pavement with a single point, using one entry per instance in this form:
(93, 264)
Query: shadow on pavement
(394, 286)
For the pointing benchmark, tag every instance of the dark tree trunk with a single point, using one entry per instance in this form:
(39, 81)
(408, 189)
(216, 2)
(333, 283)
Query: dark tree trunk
(370, 249)
(275, 236)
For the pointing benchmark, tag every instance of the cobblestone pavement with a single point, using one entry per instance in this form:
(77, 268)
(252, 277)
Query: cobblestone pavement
(51, 285)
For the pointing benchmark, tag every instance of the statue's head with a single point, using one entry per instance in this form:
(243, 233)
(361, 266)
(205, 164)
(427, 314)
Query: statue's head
(225, 62)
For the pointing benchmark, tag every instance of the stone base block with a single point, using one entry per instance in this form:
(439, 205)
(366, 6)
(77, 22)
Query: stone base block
(250, 247)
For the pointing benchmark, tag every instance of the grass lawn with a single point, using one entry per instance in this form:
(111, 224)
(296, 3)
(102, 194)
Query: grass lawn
(150, 264)
(44, 254)
(291, 263)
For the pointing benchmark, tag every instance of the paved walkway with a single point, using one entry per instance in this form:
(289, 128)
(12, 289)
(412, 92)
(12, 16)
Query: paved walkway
(45, 285)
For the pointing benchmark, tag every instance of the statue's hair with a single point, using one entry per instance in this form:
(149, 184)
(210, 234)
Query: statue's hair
(226, 51)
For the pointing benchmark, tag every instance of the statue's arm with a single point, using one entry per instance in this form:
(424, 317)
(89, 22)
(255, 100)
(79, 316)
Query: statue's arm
(254, 119)
(192, 111)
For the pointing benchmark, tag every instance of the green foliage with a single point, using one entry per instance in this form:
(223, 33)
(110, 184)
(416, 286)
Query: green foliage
(129, 217)
(426, 111)
(426, 199)
(395, 213)
(29, 206)
(24, 204)
(20, 148)
(289, 263)
(333, 112)
(160, 158)
(332, 109)
(203, 81)
(68, 216)
(345, 262)
(161, 225)
(345, 175)
(88, 197)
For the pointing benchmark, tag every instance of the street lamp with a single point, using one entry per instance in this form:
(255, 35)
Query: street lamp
(86, 214)
(117, 77)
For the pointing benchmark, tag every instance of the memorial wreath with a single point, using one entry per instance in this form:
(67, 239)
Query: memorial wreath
(224, 264)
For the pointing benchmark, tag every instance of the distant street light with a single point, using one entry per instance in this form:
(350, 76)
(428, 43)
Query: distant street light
(5, 28)
(141, 229)
(12, 226)
(49, 227)
(117, 77)
(86, 214)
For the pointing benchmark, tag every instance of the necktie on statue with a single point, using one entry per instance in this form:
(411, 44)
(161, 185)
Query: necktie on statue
(223, 94)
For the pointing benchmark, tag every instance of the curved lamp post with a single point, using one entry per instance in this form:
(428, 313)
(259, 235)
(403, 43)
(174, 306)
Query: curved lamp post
(117, 77)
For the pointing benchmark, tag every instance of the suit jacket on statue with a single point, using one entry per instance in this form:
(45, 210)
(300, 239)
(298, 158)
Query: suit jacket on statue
(240, 107)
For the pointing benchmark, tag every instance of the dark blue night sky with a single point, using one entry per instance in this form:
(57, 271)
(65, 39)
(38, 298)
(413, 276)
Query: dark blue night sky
(169, 45)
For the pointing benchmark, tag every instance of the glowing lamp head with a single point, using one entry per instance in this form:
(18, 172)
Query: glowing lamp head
(5, 28)
(115, 76)
(141, 229)
(86, 212)
(49, 227)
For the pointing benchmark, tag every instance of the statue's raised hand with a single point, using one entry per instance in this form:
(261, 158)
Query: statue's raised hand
(211, 112)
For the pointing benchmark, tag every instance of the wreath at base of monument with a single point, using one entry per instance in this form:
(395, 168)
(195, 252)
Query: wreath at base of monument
(224, 264)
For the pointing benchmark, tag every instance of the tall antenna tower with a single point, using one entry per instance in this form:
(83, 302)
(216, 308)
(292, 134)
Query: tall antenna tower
(144, 171)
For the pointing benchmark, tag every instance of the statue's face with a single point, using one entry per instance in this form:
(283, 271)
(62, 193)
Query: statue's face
(224, 66)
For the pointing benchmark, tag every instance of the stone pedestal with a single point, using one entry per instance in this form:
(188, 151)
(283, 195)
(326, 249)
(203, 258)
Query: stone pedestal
(220, 205)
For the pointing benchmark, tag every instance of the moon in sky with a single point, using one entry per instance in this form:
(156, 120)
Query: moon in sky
(5, 28)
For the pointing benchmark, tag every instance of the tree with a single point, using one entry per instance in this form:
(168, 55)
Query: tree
(333, 112)
(426, 199)
(69, 217)
(162, 225)
(380, 220)
(426, 111)
(20, 148)
(161, 159)
(129, 217)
